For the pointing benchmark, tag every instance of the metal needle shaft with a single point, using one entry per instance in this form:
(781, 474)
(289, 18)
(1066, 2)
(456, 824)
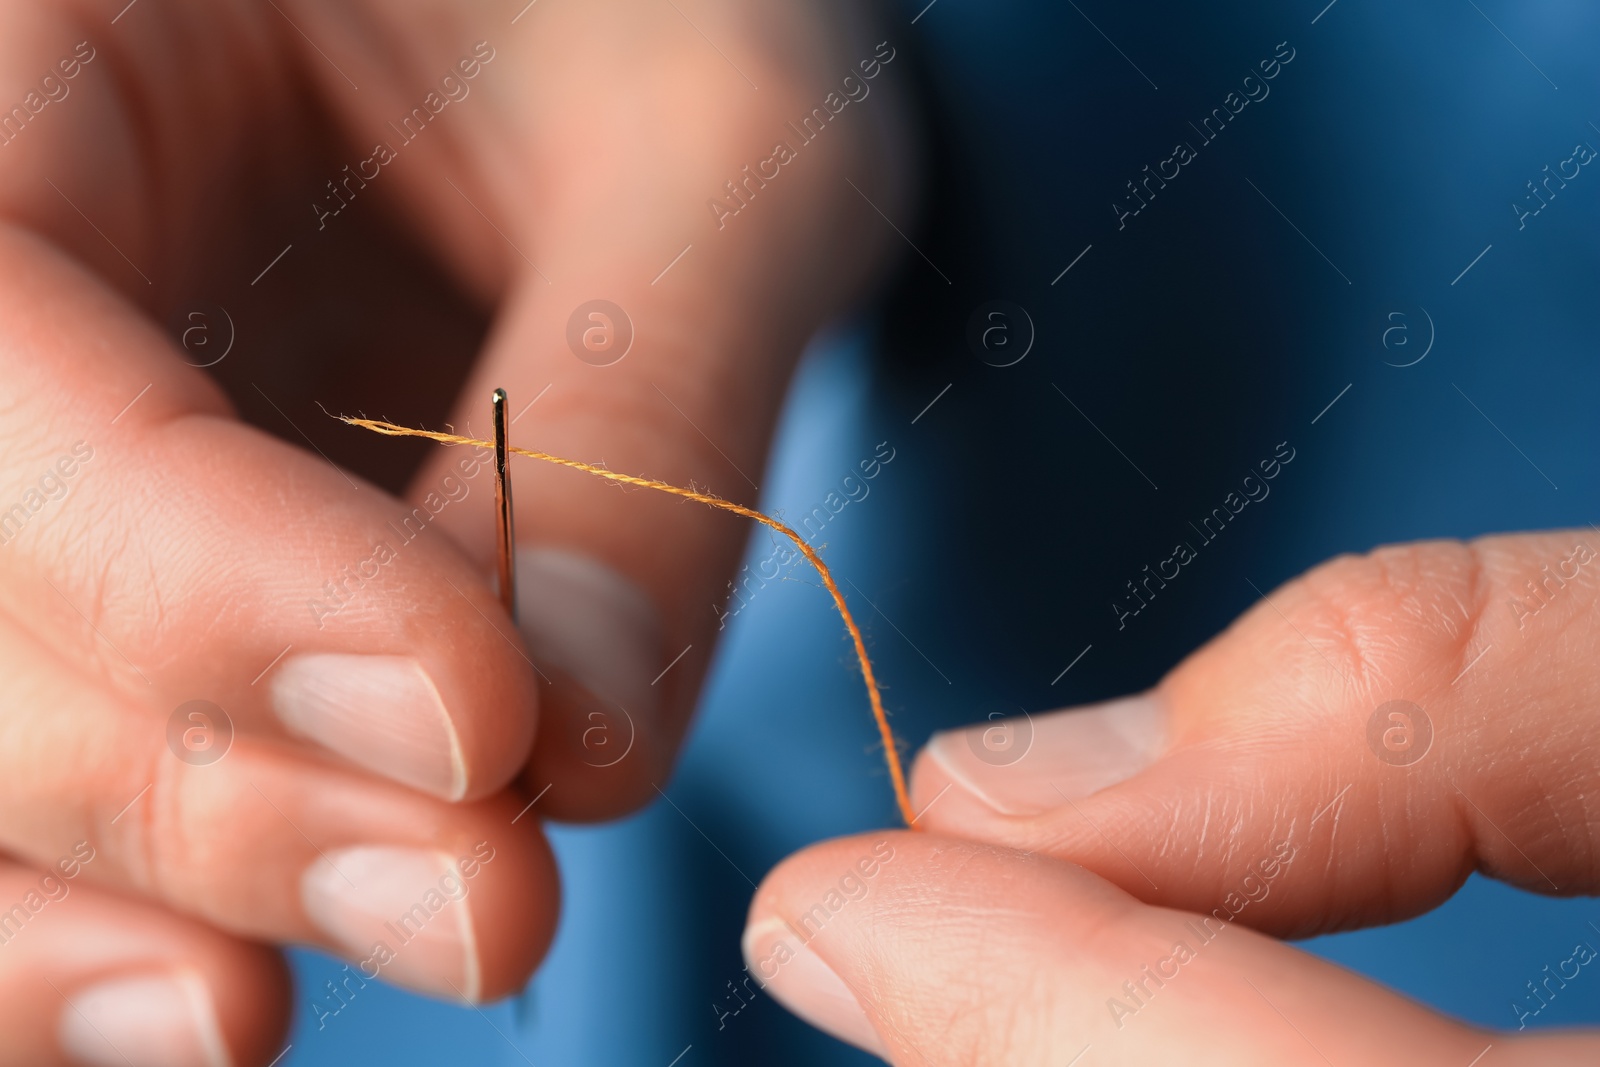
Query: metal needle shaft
(502, 507)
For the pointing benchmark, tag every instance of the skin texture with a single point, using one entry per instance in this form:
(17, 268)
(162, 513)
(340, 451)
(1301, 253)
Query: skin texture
(1007, 937)
(180, 564)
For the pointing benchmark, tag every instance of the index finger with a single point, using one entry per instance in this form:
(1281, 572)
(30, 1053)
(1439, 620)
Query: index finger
(1394, 721)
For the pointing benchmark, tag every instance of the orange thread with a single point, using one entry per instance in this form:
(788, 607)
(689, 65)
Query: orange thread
(891, 755)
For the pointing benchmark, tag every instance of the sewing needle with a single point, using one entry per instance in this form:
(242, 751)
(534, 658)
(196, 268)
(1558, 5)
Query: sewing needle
(502, 505)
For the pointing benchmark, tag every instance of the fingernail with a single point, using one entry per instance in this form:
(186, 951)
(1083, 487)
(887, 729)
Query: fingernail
(799, 980)
(400, 914)
(151, 1020)
(1032, 763)
(380, 712)
(582, 617)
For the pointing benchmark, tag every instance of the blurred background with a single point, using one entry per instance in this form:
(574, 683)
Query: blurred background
(1341, 268)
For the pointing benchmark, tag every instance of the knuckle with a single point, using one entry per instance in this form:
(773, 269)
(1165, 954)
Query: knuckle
(108, 571)
(189, 839)
(131, 816)
(167, 848)
(177, 834)
(1396, 621)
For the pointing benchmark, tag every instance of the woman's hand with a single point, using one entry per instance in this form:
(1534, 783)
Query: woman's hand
(157, 551)
(1097, 883)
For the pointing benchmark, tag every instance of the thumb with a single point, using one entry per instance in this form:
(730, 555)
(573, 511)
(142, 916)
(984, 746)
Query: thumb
(929, 951)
